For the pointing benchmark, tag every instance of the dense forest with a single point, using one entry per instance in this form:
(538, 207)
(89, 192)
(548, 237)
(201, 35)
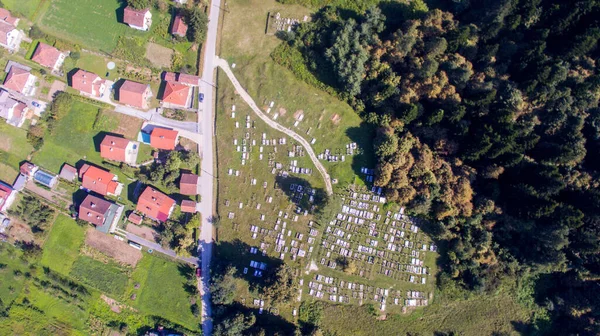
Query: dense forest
(487, 123)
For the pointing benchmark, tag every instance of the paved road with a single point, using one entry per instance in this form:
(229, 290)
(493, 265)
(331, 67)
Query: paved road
(156, 118)
(206, 113)
(225, 66)
(156, 247)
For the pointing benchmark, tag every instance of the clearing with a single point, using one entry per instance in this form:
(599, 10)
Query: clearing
(62, 247)
(106, 277)
(26, 8)
(158, 55)
(118, 250)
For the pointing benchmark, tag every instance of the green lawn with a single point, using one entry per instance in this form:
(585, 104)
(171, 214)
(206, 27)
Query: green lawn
(26, 8)
(58, 309)
(107, 278)
(14, 147)
(161, 291)
(7, 173)
(61, 249)
(10, 284)
(91, 23)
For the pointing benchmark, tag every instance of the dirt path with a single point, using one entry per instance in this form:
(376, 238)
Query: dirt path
(225, 66)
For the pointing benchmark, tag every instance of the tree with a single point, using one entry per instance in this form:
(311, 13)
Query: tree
(198, 24)
(281, 285)
(33, 212)
(234, 325)
(223, 287)
(139, 4)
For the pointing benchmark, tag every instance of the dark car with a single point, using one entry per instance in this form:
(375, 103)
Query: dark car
(198, 272)
(201, 97)
(36, 104)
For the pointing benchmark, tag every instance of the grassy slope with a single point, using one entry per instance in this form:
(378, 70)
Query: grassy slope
(10, 284)
(23, 7)
(14, 147)
(62, 247)
(110, 279)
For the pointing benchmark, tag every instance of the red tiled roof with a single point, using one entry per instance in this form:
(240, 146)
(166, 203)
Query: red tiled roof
(176, 93)
(188, 206)
(132, 93)
(134, 17)
(98, 180)
(155, 204)
(18, 110)
(163, 138)
(27, 168)
(188, 184)
(84, 81)
(6, 16)
(188, 79)
(16, 79)
(179, 27)
(93, 209)
(135, 218)
(5, 28)
(45, 55)
(114, 148)
(169, 76)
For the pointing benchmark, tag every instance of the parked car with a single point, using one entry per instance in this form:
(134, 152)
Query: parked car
(36, 104)
(201, 97)
(198, 272)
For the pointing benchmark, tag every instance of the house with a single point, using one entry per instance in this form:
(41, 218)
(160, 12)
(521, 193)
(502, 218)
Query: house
(48, 57)
(119, 149)
(155, 204)
(177, 95)
(181, 2)
(7, 196)
(138, 19)
(28, 169)
(20, 80)
(179, 27)
(188, 206)
(88, 83)
(188, 184)
(135, 218)
(8, 18)
(135, 94)
(68, 173)
(12, 110)
(44, 178)
(163, 138)
(100, 212)
(10, 36)
(99, 180)
(181, 78)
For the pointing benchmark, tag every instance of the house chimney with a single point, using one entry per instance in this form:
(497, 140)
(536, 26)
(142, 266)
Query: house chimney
(93, 205)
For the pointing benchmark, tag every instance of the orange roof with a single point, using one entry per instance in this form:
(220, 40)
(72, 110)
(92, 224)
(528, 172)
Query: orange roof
(6, 16)
(163, 138)
(16, 79)
(113, 148)
(84, 81)
(133, 93)
(45, 55)
(179, 27)
(176, 93)
(155, 204)
(188, 184)
(135, 218)
(98, 180)
(131, 16)
(188, 206)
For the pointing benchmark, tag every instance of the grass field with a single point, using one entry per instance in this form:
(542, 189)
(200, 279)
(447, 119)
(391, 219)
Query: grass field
(26, 8)
(107, 278)
(14, 147)
(161, 291)
(7, 173)
(61, 249)
(58, 309)
(10, 284)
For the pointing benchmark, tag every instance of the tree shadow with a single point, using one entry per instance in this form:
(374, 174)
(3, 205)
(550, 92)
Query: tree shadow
(120, 11)
(363, 136)
(133, 191)
(300, 192)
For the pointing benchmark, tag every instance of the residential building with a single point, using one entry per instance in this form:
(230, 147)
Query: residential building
(10, 36)
(48, 57)
(119, 149)
(177, 95)
(68, 173)
(188, 184)
(100, 212)
(28, 169)
(181, 78)
(88, 83)
(7, 196)
(99, 180)
(135, 94)
(12, 110)
(155, 205)
(163, 138)
(8, 18)
(179, 27)
(20, 80)
(138, 19)
(188, 206)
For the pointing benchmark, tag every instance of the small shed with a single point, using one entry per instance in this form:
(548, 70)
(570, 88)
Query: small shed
(68, 173)
(135, 218)
(188, 206)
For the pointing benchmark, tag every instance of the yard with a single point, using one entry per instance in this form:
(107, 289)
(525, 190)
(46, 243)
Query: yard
(61, 249)
(14, 147)
(162, 291)
(26, 8)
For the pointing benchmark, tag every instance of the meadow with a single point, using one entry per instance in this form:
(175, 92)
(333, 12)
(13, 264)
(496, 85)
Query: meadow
(14, 147)
(26, 8)
(61, 249)
(108, 278)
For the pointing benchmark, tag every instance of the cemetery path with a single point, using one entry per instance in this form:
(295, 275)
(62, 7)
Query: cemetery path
(225, 66)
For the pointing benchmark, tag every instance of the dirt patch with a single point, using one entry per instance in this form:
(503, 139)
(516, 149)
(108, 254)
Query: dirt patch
(19, 231)
(159, 55)
(5, 144)
(129, 126)
(56, 86)
(142, 231)
(115, 305)
(282, 111)
(144, 72)
(113, 248)
(335, 119)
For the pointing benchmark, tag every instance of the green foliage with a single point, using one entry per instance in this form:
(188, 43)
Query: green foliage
(223, 287)
(197, 21)
(234, 325)
(33, 212)
(139, 4)
(107, 278)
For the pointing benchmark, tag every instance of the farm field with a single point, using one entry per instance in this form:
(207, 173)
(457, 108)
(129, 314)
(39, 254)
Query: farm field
(108, 278)
(61, 249)
(26, 8)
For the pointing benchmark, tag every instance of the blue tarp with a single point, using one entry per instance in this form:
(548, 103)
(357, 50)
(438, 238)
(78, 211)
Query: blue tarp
(145, 137)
